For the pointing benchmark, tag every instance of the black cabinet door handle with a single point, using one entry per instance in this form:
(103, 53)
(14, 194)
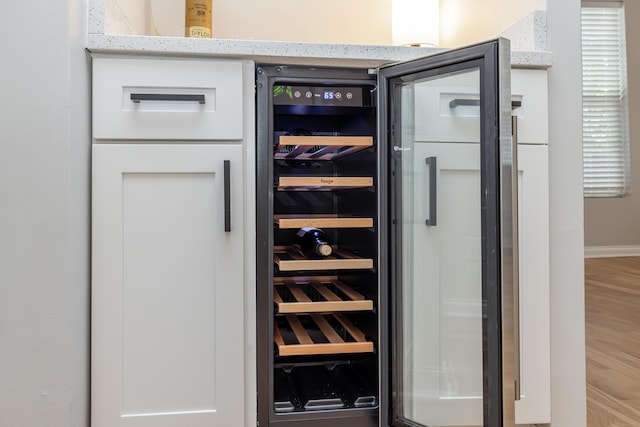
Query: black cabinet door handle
(433, 190)
(227, 196)
(173, 97)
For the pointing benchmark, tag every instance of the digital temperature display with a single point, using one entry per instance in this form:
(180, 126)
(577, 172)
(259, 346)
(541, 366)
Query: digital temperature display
(330, 96)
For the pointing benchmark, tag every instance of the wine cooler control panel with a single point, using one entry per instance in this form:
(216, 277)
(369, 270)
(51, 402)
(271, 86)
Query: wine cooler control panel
(321, 95)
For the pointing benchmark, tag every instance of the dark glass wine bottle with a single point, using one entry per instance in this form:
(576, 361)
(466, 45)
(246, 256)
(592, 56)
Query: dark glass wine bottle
(312, 242)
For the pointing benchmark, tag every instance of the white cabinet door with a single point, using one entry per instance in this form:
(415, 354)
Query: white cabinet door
(446, 349)
(533, 223)
(445, 301)
(168, 283)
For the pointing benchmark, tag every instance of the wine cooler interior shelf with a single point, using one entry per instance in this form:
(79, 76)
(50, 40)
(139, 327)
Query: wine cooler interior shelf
(319, 334)
(303, 147)
(317, 295)
(321, 221)
(323, 183)
(288, 260)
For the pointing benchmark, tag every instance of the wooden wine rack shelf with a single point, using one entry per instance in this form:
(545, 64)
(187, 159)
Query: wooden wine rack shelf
(319, 294)
(321, 221)
(323, 183)
(288, 260)
(332, 341)
(303, 147)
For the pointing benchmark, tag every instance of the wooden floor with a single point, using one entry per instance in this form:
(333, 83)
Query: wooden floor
(613, 341)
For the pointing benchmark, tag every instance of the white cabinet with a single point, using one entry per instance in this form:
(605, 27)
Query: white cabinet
(451, 341)
(173, 278)
(453, 103)
(446, 299)
(534, 406)
(167, 99)
(529, 87)
(167, 286)
(529, 92)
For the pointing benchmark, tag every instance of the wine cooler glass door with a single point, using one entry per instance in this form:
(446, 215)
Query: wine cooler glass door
(446, 163)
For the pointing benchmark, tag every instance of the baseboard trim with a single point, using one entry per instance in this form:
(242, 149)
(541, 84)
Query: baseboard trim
(611, 251)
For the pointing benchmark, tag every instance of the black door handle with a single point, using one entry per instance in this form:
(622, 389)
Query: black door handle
(227, 196)
(433, 190)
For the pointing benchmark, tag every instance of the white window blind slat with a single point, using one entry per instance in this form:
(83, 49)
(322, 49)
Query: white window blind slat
(605, 132)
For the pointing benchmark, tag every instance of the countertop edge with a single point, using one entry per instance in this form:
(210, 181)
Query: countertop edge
(290, 52)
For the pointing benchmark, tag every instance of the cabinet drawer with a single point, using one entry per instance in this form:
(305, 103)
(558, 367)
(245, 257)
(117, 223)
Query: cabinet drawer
(530, 87)
(447, 109)
(157, 99)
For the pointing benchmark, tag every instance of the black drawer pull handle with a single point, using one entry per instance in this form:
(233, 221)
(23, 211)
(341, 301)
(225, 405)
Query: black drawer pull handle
(459, 102)
(179, 97)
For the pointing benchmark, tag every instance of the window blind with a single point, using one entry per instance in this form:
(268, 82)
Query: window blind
(605, 133)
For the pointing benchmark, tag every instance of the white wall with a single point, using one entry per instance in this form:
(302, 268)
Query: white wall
(464, 22)
(614, 222)
(335, 21)
(44, 199)
(329, 21)
(568, 385)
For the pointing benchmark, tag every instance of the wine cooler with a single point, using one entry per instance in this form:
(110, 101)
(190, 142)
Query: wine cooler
(384, 273)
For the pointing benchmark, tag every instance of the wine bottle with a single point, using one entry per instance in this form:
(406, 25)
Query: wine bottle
(198, 18)
(310, 242)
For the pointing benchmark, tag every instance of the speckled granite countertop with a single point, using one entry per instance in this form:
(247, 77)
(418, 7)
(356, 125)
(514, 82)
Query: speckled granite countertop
(290, 52)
